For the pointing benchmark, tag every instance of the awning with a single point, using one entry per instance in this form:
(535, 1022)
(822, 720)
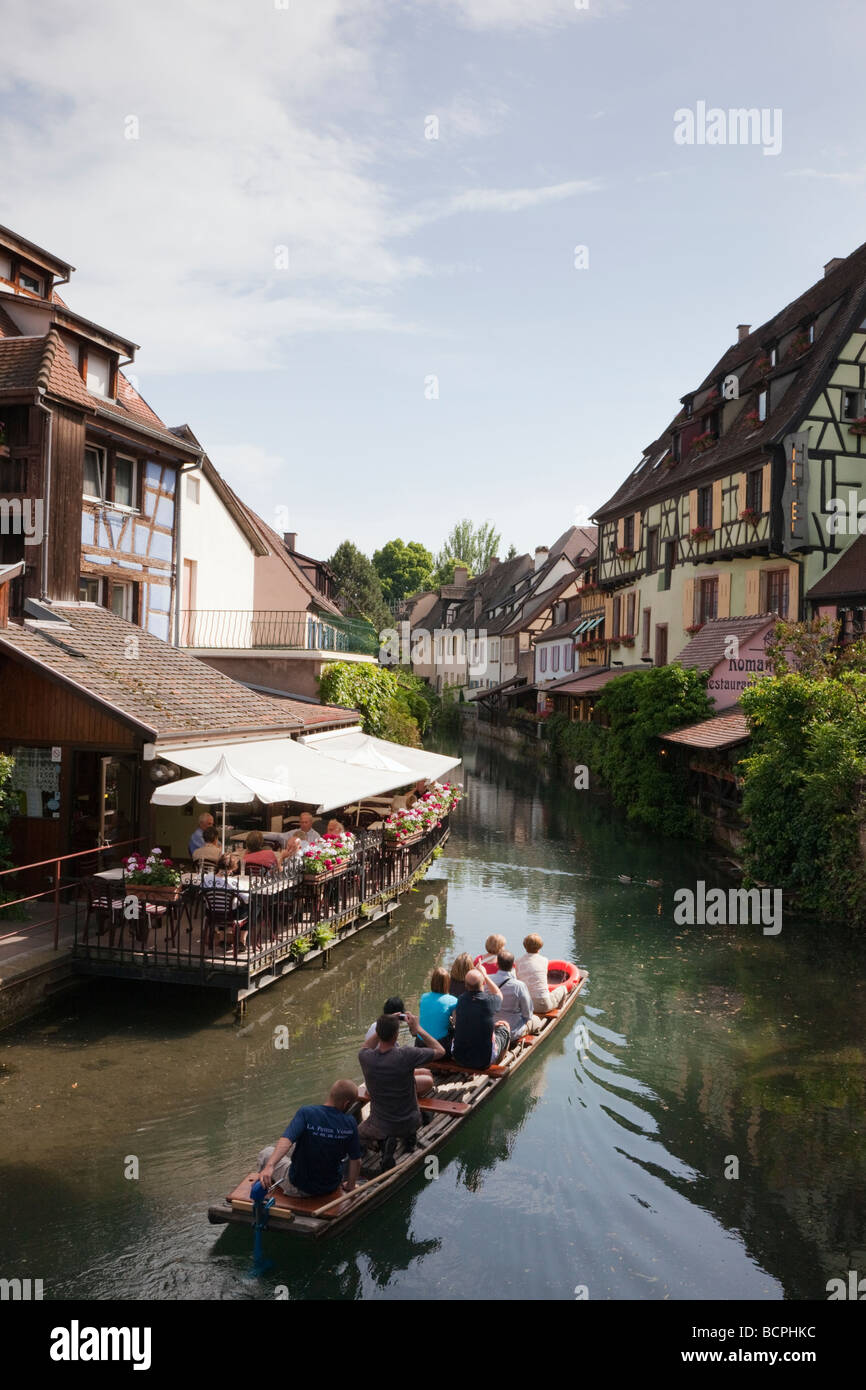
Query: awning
(307, 777)
(584, 625)
(357, 749)
(307, 774)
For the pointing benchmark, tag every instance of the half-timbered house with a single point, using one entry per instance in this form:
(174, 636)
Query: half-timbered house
(733, 510)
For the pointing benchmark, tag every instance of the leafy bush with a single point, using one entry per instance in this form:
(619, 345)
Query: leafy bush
(642, 778)
(803, 789)
(322, 935)
(299, 948)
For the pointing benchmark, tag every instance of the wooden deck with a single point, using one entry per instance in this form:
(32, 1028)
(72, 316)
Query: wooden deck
(187, 956)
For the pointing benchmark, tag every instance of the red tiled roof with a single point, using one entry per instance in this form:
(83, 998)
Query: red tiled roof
(130, 400)
(847, 578)
(163, 690)
(707, 647)
(724, 731)
(20, 360)
(591, 682)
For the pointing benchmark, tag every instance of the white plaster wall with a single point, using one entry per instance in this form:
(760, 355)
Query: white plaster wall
(225, 560)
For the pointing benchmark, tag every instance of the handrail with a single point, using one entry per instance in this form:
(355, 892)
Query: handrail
(56, 889)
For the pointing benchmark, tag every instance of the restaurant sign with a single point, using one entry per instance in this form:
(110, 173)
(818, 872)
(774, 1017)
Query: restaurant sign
(730, 676)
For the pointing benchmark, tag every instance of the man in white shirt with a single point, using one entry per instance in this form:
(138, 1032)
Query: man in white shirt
(306, 833)
(516, 1006)
(532, 970)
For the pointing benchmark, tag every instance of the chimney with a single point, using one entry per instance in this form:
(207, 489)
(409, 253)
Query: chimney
(461, 576)
(492, 563)
(743, 331)
(541, 554)
(832, 264)
(476, 607)
(290, 541)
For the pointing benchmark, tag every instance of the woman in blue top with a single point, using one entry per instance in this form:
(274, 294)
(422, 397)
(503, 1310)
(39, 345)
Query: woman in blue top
(436, 1008)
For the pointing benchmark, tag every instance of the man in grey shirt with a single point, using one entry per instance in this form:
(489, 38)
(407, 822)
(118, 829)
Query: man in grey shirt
(390, 1073)
(306, 833)
(516, 1006)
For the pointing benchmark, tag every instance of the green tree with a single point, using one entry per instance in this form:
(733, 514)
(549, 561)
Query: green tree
(358, 587)
(403, 568)
(803, 788)
(512, 552)
(390, 703)
(641, 776)
(466, 544)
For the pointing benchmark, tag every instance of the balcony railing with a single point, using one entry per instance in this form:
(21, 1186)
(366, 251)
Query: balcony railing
(213, 629)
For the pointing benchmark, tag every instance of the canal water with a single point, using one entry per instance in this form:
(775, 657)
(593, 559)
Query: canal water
(695, 1132)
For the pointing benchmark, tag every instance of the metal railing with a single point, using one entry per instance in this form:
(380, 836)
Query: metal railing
(57, 886)
(215, 629)
(221, 925)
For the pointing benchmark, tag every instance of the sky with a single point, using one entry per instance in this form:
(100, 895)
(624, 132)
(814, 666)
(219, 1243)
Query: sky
(399, 262)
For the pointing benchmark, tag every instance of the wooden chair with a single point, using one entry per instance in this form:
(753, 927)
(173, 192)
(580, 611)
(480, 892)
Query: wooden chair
(104, 904)
(225, 911)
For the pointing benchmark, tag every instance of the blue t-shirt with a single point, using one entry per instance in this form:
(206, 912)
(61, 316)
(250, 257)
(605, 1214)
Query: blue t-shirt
(434, 1012)
(323, 1137)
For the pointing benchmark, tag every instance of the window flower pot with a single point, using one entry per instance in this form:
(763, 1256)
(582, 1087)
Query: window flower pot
(855, 426)
(701, 533)
(153, 892)
(750, 516)
(625, 554)
(693, 628)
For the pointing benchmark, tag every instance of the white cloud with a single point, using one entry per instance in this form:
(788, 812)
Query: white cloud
(494, 200)
(527, 14)
(850, 177)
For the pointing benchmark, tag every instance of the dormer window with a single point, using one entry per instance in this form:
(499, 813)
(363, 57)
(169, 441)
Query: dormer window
(710, 424)
(675, 448)
(31, 282)
(762, 405)
(773, 355)
(689, 407)
(99, 373)
(810, 332)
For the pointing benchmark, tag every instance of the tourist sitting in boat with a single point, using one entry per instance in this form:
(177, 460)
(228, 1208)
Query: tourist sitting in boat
(435, 1009)
(458, 972)
(394, 1008)
(307, 1161)
(210, 850)
(480, 1038)
(394, 1077)
(532, 970)
(493, 945)
(516, 1008)
(256, 852)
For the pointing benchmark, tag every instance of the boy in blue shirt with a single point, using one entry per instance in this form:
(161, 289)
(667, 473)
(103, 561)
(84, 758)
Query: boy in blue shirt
(307, 1160)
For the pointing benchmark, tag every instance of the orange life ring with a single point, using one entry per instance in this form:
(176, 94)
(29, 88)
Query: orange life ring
(566, 968)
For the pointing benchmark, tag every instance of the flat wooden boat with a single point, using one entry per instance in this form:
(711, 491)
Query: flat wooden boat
(455, 1096)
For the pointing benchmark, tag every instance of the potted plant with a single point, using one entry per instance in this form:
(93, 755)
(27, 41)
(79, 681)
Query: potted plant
(753, 419)
(625, 552)
(300, 948)
(627, 640)
(701, 533)
(154, 877)
(800, 344)
(763, 364)
(326, 857)
(750, 515)
(703, 442)
(858, 426)
(322, 936)
(693, 628)
(403, 828)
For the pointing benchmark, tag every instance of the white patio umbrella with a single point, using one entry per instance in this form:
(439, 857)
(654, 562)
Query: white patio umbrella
(221, 785)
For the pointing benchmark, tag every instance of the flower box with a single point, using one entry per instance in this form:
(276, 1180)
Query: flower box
(624, 553)
(857, 426)
(392, 846)
(321, 875)
(153, 892)
(753, 419)
(763, 365)
(701, 533)
(694, 627)
(750, 516)
(703, 442)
